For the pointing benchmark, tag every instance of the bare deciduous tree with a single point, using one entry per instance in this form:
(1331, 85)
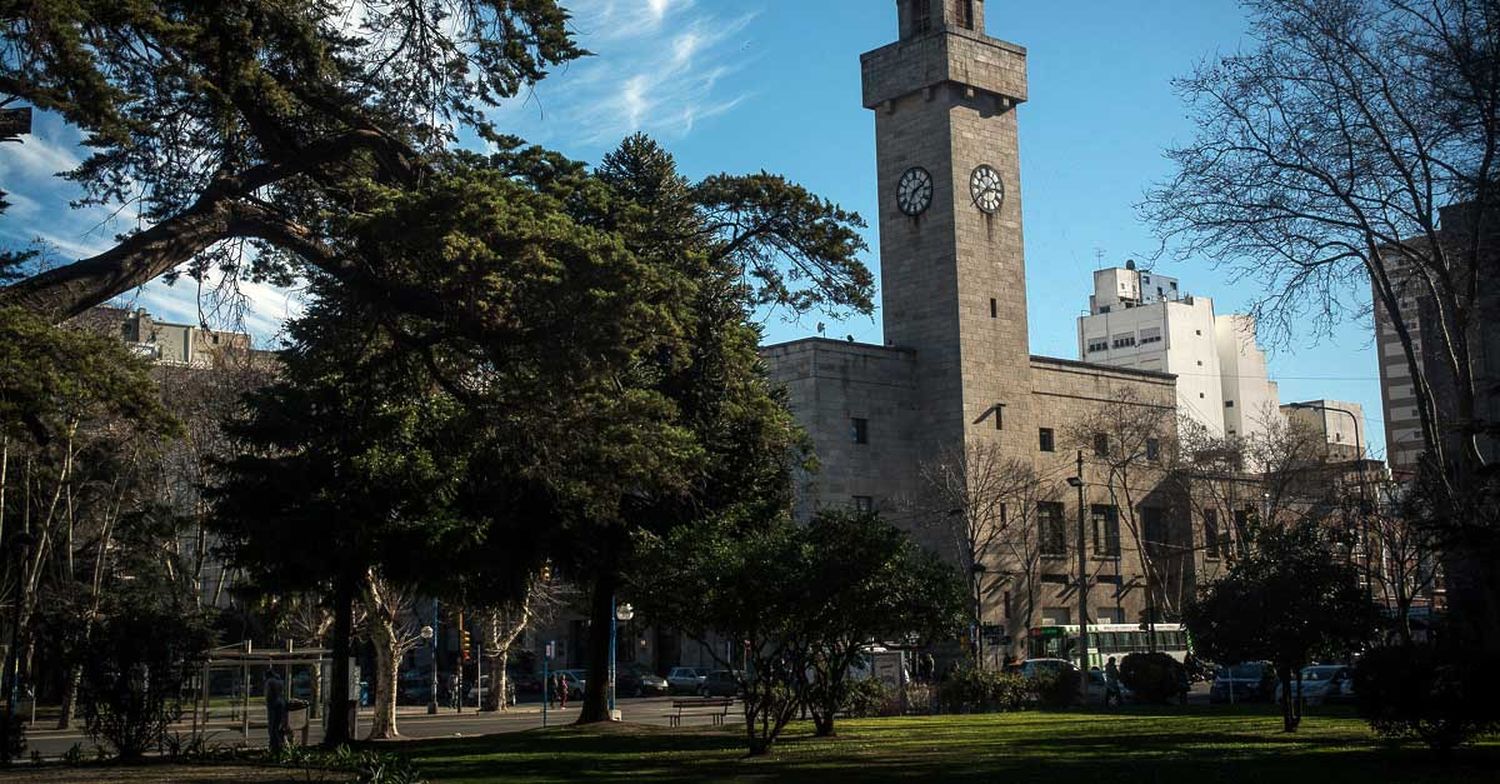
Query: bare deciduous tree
(1358, 143)
(1130, 443)
(394, 630)
(503, 626)
(985, 502)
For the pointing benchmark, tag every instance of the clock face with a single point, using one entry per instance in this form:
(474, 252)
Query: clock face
(987, 189)
(914, 191)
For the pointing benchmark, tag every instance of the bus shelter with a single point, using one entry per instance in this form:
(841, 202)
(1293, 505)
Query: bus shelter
(232, 676)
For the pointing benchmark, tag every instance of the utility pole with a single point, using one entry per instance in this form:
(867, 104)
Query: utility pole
(463, 654)
(1083, 586)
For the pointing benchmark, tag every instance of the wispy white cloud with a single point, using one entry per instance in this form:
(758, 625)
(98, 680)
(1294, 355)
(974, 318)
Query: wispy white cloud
(660, 66)
(40, 217)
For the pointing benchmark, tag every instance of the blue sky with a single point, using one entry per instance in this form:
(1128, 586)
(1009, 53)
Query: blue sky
(746, 85)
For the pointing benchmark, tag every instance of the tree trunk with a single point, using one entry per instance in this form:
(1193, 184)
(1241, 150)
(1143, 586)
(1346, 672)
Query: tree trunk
(494, 699)
(387, 657)
(339, 732)
(69, 697)
(1291, 711)
(595, 706)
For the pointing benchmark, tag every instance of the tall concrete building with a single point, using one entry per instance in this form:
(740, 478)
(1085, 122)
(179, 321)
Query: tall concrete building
(1141, 320)
(957, 369)
(1403, 424)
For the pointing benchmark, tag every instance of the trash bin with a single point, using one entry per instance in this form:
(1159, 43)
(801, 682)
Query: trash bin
(297, 719)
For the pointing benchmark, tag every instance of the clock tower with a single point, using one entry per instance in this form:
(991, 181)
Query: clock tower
(953, 276)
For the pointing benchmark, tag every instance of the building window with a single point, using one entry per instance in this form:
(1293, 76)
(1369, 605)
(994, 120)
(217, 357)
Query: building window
(965, 14)
(861, 430)
(1106, 529)
(1049, 441)
(1053, 535)
(1151, 335)
(1200, 333)
(1211, 533)
(1124, 341)
(1154, 525)
(921, 16)
(864, 503)
(1104, 309)
(1229, 404)
(1101, 445)
(994, 308)
(999, 412)
(1153, 449)
(1098, 344)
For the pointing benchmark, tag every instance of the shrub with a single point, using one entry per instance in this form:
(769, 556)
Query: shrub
(1423, 692)
(1058, 690)
(869, 697)
(1153, 677)
(982, 691)
(133, 673)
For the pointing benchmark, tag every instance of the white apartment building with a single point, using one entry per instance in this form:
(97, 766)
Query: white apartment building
(1141, 320)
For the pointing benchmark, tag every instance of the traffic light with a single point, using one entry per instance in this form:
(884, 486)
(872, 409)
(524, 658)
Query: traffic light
(463, 644)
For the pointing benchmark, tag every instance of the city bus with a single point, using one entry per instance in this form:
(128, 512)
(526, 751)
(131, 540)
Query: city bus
(1106, 640)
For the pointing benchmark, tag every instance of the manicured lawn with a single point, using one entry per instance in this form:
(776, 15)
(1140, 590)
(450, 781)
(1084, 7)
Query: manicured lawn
(1190, 745)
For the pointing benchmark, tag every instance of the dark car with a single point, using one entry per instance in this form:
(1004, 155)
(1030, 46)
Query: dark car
(1243, 682)
(415, 688)
(634, 680)
(721, 683)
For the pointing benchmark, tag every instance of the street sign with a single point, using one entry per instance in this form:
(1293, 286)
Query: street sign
(551, 650)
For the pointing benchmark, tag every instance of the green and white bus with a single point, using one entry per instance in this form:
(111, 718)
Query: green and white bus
(1106, 640)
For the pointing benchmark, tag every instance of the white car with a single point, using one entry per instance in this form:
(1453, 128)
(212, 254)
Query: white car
(1323, 684)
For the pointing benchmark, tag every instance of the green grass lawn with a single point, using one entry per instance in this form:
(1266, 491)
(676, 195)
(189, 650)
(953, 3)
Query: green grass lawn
(1191, 745)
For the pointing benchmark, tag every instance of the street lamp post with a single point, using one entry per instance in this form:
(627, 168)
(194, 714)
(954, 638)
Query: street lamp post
(430, 633)
(622, 614)
(1083, 586)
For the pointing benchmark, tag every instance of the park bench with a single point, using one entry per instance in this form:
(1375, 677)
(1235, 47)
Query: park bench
(716, 708)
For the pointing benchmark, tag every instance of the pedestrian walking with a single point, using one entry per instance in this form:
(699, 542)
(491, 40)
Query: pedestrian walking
(276, 714)
(1112, 683)
(562, 692)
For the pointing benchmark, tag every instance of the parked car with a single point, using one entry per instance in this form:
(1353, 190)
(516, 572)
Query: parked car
(414, 688)
(721, 683)
(1244, 682)
(1037, 668)
(529, 683)
(686, 680)
(472, 698)
(1324, 684)
(634, 680)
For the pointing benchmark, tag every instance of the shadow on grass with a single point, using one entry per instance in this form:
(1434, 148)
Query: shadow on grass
(1194, 746)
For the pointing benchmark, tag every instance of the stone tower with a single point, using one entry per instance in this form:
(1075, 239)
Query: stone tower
(952, 268)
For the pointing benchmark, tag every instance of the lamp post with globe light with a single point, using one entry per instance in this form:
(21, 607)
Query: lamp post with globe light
(431, 636)
(623, 613)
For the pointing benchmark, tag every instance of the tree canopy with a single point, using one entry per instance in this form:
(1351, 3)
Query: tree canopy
(256, 137)
(1290, 601)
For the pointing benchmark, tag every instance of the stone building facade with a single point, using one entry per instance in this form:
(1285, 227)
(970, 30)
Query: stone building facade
(957, 369)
